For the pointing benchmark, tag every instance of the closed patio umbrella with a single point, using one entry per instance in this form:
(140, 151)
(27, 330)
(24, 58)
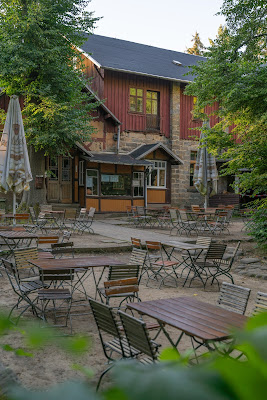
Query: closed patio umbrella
(15, 170)
(205, 175)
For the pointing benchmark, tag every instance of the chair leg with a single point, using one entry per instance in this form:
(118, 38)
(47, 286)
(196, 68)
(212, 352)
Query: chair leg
(102, 376)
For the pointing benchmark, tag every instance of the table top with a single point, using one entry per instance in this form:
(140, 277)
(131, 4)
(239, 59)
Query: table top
(195, 318)
(184, 246)
(18, 235)
(73, 263)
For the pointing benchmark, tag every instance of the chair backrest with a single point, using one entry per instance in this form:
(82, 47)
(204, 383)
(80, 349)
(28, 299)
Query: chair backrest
(173, 214)
(136, 243)
(60, 249)
(117, 272)
(65, 236)
(195, 208)
(140, 210)
(215, 251)
(12, 274)
(70, 213)
(120, 286)
(137, 335)
(91, 212)
(202, 240)
(83, 213)
(151, 245)
(22, 257)
(46, 207)
(138, 257)
(261, 303)
(233, 297)
(48, 239)
(183, 215)
(106, 323)
(22, 217)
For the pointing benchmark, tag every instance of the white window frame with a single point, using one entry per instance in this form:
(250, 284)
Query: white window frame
(97, 176)
(162, 166)
(140, 177)
(81, 173)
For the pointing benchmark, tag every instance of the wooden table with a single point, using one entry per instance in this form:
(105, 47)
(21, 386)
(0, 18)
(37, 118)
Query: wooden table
(83, 264)
(205, 323)
(17, 239)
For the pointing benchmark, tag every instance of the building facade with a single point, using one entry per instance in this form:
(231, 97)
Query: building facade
(144, 147)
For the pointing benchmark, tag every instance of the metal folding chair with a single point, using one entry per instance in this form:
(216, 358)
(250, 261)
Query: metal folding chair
(84, 221)
(161, 269)
(115, 346)
(26, 292)
(122, 282)
(138, 338)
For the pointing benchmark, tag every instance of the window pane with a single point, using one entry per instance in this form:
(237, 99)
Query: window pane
(193, 155)
(154, 175)
(140, 92)
(133, 91)
(116, 185)
(148, 95)
(132, 104)
(91, 182)
(162, 177)
(148, 107)
(154, 107)
(139, 105)
(154, 95)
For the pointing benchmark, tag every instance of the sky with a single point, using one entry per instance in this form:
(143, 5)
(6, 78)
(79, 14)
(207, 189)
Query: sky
(169, 24)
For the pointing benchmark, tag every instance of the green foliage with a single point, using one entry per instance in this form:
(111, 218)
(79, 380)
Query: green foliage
(39, 61)
(257, 227)
(235, 75)
(217, 378)
(198, 47)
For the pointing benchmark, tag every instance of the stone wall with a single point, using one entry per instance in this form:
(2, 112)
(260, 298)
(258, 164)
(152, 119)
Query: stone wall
(182, 193)
(131, 140)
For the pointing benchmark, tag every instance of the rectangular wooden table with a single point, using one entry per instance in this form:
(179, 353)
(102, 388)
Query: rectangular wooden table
(81, 264)
(205, 323)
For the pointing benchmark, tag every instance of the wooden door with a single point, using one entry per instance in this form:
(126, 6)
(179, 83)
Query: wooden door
(59, 188)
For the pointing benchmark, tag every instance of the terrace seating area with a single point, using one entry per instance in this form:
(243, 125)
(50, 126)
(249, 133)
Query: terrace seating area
(57, 286)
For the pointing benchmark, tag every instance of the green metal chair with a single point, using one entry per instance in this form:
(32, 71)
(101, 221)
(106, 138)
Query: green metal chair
(261, 303)
(114, 344)
(138, 338)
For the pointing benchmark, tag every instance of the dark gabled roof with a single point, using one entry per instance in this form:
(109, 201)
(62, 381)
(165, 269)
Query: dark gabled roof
(145, 149)
(125, 56)
(114, 158)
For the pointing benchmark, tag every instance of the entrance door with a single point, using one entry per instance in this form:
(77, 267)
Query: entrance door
(59, 189)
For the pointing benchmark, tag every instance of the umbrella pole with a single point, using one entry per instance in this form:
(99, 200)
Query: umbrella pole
(206, 201)
(14, 207)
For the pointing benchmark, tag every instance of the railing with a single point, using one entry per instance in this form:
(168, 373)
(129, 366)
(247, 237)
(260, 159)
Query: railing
(153, 122)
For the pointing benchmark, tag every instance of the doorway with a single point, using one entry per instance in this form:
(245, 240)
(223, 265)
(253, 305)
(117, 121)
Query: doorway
(59, 185)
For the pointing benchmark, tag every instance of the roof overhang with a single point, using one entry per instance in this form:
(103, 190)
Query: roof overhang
(102, 105)
(114, 158)
(175, 160)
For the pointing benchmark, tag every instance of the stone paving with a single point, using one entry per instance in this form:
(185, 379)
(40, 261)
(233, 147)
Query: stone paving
(113, 235)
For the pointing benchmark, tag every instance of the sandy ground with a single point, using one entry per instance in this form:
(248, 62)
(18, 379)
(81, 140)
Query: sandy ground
(52, 365)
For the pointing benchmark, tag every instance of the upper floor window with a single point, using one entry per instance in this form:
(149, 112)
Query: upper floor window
(152, 110)
(193, 159)
(157, 176)
(136, 100)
